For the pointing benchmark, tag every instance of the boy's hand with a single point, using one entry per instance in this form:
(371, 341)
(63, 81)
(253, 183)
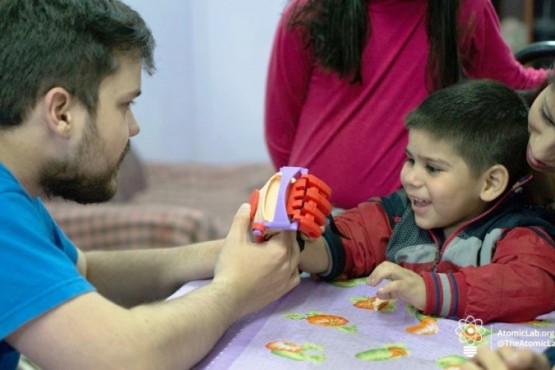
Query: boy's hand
(404, 284)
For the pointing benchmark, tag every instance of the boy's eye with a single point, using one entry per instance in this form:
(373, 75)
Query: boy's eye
(409, 161)
(432, 169)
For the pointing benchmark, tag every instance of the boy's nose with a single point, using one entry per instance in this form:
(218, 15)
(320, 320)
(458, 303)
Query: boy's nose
(412, 178)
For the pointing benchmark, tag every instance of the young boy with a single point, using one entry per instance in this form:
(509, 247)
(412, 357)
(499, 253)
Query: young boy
(458, 239)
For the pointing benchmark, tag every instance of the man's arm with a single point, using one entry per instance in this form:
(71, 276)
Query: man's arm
(134, 276)
(91, 332)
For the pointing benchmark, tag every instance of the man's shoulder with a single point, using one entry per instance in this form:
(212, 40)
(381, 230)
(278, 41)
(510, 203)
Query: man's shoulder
(8, 182)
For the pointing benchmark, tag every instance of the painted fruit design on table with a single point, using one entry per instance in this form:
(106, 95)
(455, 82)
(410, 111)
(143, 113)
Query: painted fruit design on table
(387, 352)
(451, 362)
(324, 320)
(298, 352)
(427, 325)
(341, 283)
(374, 304)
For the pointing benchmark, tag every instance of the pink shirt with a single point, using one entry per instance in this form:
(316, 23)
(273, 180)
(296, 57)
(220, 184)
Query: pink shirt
(352, 136)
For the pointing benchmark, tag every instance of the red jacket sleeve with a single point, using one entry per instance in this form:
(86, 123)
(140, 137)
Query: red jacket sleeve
(516, 286)
(484, 52)
(288, 77)
(365, 232)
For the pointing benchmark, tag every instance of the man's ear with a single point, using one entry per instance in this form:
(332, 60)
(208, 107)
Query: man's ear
(57, 104)
(495, 181)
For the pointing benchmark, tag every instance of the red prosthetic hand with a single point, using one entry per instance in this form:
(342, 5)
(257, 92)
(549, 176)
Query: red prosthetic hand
(292, 199)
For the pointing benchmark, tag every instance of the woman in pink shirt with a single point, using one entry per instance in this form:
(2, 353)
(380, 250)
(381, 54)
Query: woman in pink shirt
(342, 75)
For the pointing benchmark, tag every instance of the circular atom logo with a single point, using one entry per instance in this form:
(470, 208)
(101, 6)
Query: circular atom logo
(471, 333)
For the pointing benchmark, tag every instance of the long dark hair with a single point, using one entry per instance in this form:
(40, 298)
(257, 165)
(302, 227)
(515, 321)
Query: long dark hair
(337, 32)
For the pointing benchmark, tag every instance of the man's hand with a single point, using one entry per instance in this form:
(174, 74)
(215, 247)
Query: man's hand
(404, 284)
(257, 274)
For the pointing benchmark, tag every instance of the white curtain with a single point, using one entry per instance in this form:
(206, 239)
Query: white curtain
(205, 103)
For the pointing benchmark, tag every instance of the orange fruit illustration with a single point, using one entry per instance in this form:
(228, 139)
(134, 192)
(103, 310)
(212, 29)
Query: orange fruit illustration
(327, 320)
(283, 345)
(397, 352)
(427, 326)
(373, 303)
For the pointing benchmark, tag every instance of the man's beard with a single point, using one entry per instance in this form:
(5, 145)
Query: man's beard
(67, 180)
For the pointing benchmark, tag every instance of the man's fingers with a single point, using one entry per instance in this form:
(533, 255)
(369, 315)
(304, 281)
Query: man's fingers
(241, 222)
(295, 251)
(286, 238)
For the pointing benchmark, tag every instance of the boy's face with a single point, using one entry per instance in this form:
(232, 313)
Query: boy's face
(541, 125)
(441, 188)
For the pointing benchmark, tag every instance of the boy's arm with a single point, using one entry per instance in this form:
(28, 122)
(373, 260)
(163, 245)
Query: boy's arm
(355, 250)
(521, 275)
(315, 257)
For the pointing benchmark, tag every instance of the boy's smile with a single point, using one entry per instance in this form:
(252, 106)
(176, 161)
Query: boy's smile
(419, 205)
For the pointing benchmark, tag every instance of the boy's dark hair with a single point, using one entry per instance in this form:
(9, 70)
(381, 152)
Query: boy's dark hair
(338, 30)
(68, 43)
(486, 121)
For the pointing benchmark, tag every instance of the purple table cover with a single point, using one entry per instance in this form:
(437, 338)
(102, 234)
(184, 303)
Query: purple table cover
(321, 325)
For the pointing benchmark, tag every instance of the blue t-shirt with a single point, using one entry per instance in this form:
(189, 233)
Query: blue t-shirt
(37, 263)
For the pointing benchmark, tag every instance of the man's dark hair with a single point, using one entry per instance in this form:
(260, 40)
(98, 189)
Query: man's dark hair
(67, 43)
(485, 121)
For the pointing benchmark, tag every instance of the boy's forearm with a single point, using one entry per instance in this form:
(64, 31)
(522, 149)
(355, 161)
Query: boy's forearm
(315, 258)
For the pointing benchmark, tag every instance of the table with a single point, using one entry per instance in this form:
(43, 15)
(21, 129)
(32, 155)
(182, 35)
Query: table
(341, 325)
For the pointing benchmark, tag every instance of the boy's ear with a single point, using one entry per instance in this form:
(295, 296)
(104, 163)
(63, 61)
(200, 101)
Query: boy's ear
(495, 181)
(57, 108)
